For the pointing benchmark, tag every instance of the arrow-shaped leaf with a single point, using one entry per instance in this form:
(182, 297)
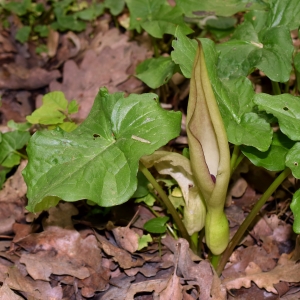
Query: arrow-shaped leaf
(99, 160)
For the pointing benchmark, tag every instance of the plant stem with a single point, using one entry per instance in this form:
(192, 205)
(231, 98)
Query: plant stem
(238, 161)
(20, 154)
(215, 260)
(287, 87)
(275, 88)
(154, 43)
(234, 157)
(239, 234)
(169, 206)
(194, 239)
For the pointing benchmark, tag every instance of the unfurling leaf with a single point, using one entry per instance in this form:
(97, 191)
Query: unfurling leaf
(178, 167)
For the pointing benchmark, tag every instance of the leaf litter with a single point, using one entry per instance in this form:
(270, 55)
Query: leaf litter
(60, 254)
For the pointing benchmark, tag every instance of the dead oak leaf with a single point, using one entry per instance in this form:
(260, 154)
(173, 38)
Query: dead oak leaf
(62, 252)
(156, 285)
(41, 265)
(7, 294)
(126, 238)
(12, 200)
(201, 273)
(34, 289)
(109, 62)
(124, 259)
(15, 77)
(174, 289)
(287, 270)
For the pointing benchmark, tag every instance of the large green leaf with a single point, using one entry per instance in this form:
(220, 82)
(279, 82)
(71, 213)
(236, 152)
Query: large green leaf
(269, 49)
(286, 108)
(156, 17)
(235, 100)
(284, 12)
(184, 52)
(274, 158)
(98, 161)
(156, 71)
(194, 8)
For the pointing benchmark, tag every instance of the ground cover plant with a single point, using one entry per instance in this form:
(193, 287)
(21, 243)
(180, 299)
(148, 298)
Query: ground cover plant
(115, 156)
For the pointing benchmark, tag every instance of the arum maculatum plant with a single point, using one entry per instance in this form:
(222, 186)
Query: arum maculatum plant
(102, 159)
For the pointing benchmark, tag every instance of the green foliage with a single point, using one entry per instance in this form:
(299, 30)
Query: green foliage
(10, 143)
(194, 8)
(155, 71)
(274, 159)
(156, 17)
(184, 52)
(149, 200)
(142, 187)
(22, 34)
(156, 225)
(295, 207)
(42, 30)
(144, 240)
(68, 15)
(54, 111)
(254, 44)
(18, 126)
(115, 6)
(98, 161)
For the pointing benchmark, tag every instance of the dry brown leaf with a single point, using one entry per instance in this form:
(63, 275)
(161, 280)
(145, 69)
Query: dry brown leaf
(41, 265)
(12, 200)
(7, 294)
(286, 270)
(126, 238)
(65, 252)
(238, 188)
(107, 63)
(6, 45)
(60, 216)
(32, 288)
(96, 282)
(201, 273)
(52, 42)
(4, 267)
(125, 260)
(148, 270)
(243, 256)
(157, 285)
(14, 76)
(16, 105)
(119, 288)
(174, 289)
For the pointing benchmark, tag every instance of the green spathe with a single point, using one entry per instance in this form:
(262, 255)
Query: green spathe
(98, 161)
(209, 152)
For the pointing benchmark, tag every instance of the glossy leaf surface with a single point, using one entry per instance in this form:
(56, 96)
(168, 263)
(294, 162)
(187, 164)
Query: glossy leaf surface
(98, 161)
